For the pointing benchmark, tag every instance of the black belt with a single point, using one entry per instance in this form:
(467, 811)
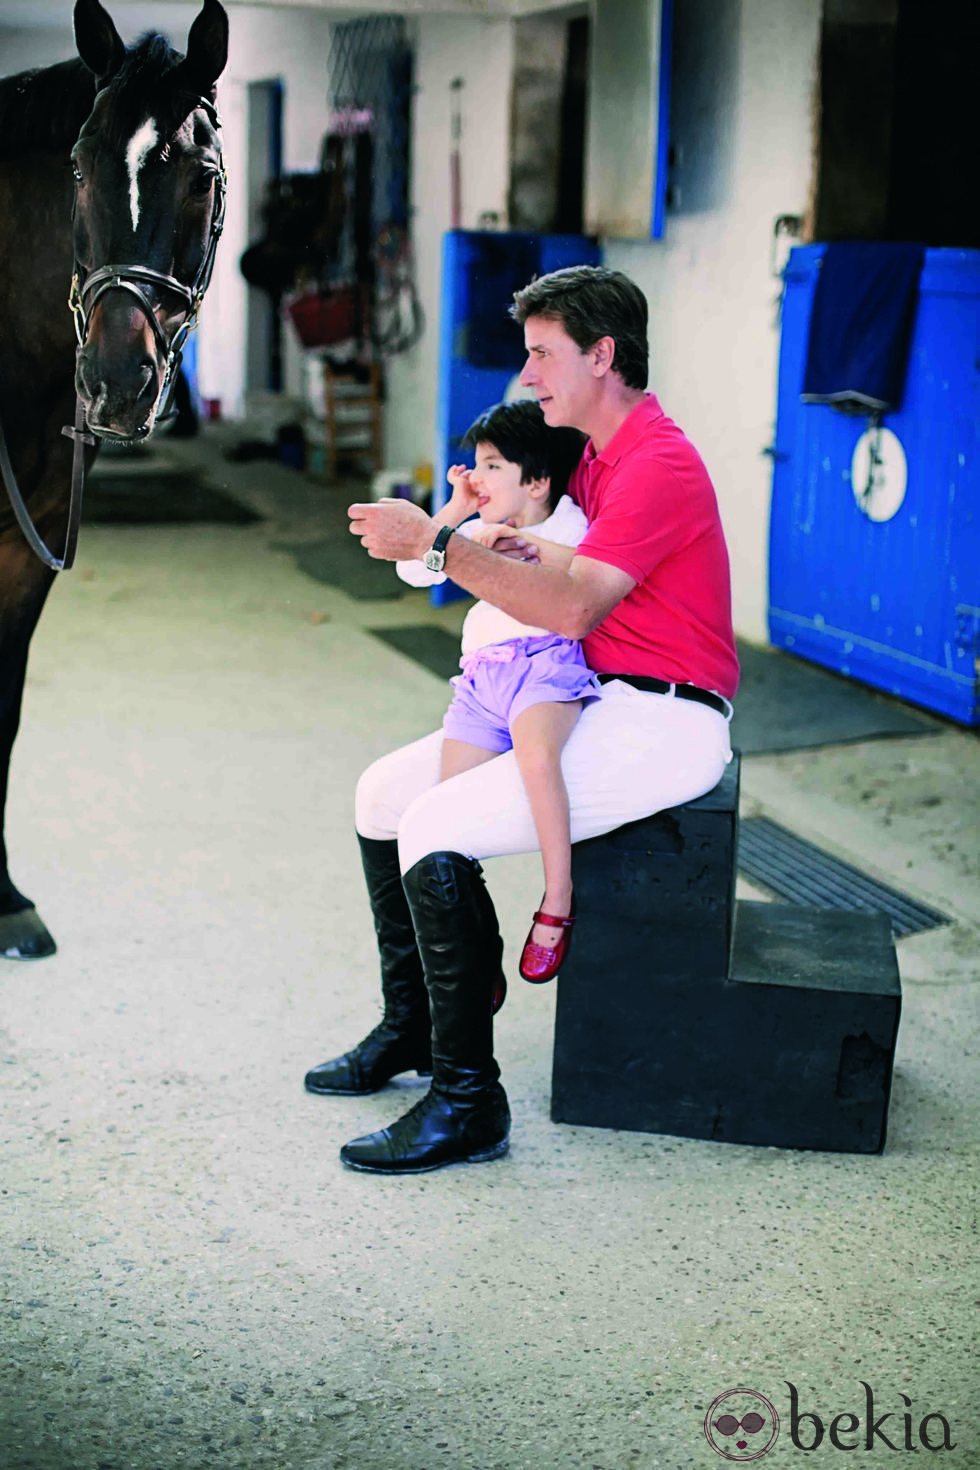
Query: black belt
(681, 691)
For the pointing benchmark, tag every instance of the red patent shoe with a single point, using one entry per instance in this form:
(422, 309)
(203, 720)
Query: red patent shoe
(539, 964)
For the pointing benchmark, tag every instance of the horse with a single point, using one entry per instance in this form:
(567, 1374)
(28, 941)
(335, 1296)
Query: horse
(111, 203)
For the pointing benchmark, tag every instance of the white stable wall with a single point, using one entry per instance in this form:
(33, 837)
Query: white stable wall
(265, 44)
(21, 49)
(480, 51)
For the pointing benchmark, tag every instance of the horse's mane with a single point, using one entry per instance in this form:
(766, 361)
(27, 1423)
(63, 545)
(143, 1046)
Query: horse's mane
(43, 110)
(140, 87)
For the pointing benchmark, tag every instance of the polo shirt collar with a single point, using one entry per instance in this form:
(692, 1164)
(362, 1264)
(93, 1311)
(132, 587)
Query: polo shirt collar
(629, 433)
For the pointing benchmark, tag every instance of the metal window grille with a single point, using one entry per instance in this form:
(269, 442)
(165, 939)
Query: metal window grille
(371, 80)
(371, 87)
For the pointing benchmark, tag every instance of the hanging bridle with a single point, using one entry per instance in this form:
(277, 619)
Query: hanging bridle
(86, 292)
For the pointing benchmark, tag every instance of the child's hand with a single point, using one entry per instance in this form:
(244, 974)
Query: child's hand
(486, 533)
(503, 537)
(464, 496)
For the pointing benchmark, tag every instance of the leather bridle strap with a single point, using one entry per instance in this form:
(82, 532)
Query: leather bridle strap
(131, 278)
(79, 438)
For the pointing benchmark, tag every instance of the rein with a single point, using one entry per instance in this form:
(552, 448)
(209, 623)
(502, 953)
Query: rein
(76, 433)
(83, 298)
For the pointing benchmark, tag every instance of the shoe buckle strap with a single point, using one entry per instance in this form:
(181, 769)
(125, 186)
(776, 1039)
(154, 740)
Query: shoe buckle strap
(554, 922)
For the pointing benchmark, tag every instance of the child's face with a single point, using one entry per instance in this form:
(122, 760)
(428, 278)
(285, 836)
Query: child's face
(502, 497)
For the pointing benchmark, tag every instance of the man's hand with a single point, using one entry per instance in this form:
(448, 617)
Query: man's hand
(392, 530)
(501, 537)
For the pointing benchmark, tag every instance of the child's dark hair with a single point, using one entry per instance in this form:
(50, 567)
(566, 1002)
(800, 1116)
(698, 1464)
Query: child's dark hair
(519, 434)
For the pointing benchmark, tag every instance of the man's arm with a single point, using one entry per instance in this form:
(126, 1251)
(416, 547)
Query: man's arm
(571, 600)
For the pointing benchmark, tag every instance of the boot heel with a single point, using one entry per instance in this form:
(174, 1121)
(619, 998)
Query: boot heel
(464, 1117)
(425, 1072)
(486, 1154)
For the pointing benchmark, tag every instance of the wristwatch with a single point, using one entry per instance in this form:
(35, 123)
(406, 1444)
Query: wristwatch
(434, 559)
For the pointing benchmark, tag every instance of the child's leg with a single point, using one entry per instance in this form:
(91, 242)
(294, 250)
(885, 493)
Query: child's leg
(539, 734)
(459, 756)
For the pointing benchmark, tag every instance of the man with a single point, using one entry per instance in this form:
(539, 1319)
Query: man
(648, 593)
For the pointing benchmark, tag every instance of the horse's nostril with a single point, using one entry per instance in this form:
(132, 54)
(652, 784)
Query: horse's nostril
(148, 381)
(83, 367)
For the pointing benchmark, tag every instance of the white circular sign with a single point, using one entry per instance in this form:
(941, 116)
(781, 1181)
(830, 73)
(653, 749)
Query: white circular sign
(879, 474)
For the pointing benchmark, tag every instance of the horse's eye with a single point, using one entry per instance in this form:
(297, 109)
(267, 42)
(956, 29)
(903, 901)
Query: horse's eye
(79, 177)
(201, 182)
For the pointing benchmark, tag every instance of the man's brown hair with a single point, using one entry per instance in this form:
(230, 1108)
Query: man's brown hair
(592, 301)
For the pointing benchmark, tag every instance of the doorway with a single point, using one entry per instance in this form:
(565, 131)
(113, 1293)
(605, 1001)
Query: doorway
(263, 358)
(898, 133)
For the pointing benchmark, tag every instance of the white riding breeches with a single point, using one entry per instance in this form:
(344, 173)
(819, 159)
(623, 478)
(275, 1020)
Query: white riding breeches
(630, 754)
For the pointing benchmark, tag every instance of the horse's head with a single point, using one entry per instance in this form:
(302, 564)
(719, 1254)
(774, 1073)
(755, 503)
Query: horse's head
(149, 199)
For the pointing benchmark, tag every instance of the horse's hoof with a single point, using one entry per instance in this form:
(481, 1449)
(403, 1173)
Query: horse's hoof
(24, 936)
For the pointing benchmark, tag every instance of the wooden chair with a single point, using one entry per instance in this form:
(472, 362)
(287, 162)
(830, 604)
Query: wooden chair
(352, 416)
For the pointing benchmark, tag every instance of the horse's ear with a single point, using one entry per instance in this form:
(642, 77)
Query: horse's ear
(207, 46)
(97, 39)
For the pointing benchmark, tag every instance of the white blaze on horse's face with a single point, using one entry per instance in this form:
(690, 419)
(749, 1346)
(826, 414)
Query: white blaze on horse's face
(140, 146)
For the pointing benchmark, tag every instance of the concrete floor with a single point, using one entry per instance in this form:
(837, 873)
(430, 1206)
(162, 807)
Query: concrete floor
(189, 1278)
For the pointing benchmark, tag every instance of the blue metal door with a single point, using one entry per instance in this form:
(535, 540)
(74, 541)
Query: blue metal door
(874, 556)
(481, 350)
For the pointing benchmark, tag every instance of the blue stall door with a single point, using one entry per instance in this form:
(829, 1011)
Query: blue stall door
(874, 565)
(481, 349)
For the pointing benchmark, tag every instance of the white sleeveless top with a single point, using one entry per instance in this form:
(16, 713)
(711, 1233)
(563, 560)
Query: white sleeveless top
(484, 623)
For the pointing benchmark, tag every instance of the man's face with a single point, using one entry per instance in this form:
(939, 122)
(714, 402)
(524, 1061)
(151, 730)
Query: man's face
(560, 374)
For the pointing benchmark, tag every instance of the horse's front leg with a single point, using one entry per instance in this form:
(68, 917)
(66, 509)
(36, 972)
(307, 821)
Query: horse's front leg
(24, 585)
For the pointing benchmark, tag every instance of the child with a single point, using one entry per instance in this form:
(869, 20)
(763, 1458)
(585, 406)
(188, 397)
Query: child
(521, 688)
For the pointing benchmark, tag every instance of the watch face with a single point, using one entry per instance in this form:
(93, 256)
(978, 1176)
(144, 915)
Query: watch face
(434, 560)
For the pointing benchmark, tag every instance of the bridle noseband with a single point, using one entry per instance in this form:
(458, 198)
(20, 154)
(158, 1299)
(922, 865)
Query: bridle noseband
(86, 292)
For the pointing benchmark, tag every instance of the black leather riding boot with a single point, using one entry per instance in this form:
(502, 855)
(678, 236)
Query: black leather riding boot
(401, 1043)
(464, 1117)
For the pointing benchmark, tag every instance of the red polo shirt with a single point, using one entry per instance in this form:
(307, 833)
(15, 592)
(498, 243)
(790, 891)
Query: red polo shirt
(652, 512)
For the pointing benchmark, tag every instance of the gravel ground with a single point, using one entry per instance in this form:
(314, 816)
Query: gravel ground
(190, 1279)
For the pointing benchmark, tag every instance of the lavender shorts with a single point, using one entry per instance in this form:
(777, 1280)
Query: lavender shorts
(500, 681)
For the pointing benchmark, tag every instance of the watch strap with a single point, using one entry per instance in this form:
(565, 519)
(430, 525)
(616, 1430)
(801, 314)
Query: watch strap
(439, 544)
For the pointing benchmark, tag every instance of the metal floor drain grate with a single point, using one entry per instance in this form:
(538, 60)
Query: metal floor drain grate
(802, 873)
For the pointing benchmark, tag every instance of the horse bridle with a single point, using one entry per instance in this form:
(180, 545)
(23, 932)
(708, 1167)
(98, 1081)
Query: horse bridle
(85, 294)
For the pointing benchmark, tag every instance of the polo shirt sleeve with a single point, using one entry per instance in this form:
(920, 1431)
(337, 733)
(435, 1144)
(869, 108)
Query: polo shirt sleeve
(644, 517)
